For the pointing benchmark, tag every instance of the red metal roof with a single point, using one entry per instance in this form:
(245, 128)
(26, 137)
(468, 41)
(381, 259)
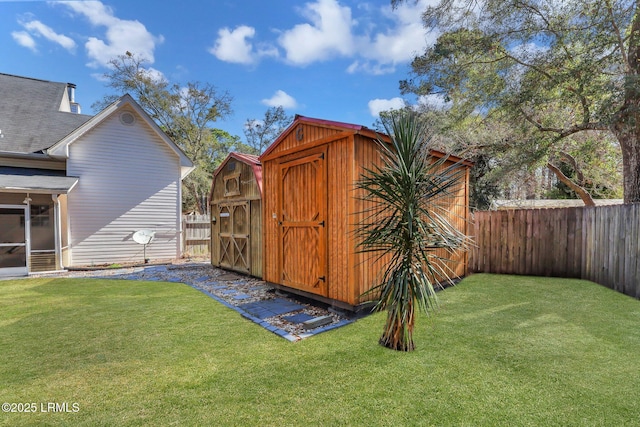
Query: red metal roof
(356, 128)
(330, 123)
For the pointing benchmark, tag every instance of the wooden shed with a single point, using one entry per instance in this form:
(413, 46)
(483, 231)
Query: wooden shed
(311, 209)
(236, 214)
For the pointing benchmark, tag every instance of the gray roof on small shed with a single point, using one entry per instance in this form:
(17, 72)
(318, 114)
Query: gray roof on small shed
(30, 116)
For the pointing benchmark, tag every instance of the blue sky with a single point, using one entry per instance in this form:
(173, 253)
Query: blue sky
(331, 59)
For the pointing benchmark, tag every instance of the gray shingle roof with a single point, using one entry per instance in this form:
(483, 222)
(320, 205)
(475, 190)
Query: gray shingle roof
(35, 180)
(30, 120)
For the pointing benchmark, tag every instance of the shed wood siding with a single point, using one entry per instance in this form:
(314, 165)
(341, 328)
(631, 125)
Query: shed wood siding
(348, 273)
(302, 136)
(348, 150)
(309, 134)
(113, 179)
(367, 265)
(270, 223)
(246, 200)
(457, 204)
(339, 184)
(256, 238)
(248, 188)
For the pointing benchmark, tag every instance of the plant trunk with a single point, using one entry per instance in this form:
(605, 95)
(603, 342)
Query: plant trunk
(580, 191)
(627, 130)
(626, 127)
(630, 146)
(398, 335)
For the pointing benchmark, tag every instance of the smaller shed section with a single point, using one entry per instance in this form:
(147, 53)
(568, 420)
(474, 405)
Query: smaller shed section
(236, 214)
(311, 209)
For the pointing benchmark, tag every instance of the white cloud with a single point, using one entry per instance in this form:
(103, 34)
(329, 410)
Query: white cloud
(376, 42)
(387, 36)
(370, 67)
(120, 35)
(37, 28)
(281, 99)
(329, 34)
(234, 46)
(24, 39)
(384, 50)
(378, 105)
(154, 75)
(434, 100)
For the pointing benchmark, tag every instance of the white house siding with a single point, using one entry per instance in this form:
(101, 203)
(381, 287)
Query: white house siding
(129, 180)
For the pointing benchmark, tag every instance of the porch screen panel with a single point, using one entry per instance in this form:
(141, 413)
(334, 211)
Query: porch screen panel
(43, 246)
(13, 251)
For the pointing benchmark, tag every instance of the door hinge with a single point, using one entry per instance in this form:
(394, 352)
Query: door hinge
(322, 278)
(322, 156)
(322, 223)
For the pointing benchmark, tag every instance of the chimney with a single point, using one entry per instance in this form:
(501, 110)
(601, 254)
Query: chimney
(71, 91)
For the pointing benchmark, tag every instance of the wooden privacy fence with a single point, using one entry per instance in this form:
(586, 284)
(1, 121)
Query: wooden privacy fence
(196, 235)
(601, 244)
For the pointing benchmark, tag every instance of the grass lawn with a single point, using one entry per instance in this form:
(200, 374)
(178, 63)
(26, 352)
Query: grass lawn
(502, 350)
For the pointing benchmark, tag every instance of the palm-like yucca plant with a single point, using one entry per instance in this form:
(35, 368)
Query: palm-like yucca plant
(405, 224)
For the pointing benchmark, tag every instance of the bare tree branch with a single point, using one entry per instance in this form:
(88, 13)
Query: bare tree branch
(580, 191)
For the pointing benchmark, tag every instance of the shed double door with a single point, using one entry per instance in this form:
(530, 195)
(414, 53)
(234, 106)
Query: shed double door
(234, 248)
(302, 207)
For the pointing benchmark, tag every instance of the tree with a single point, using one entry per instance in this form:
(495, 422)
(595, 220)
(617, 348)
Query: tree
(261, 133)
(198, 183)
(475, 140)
(184, 113)
(509, 163)
(550, 69)
(407, 224)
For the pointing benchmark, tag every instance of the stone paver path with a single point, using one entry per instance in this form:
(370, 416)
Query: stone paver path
(254, 299)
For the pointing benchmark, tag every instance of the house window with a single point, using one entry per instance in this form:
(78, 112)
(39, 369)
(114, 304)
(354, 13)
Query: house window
(232, 185)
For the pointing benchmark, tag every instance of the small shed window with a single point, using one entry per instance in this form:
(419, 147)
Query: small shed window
(232, 185)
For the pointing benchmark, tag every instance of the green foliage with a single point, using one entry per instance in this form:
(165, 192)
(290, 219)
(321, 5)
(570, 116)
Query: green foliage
(261, 133)
(591, 159)
(184, 113)
(199, 181)
(546, 70)
(407, 224)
